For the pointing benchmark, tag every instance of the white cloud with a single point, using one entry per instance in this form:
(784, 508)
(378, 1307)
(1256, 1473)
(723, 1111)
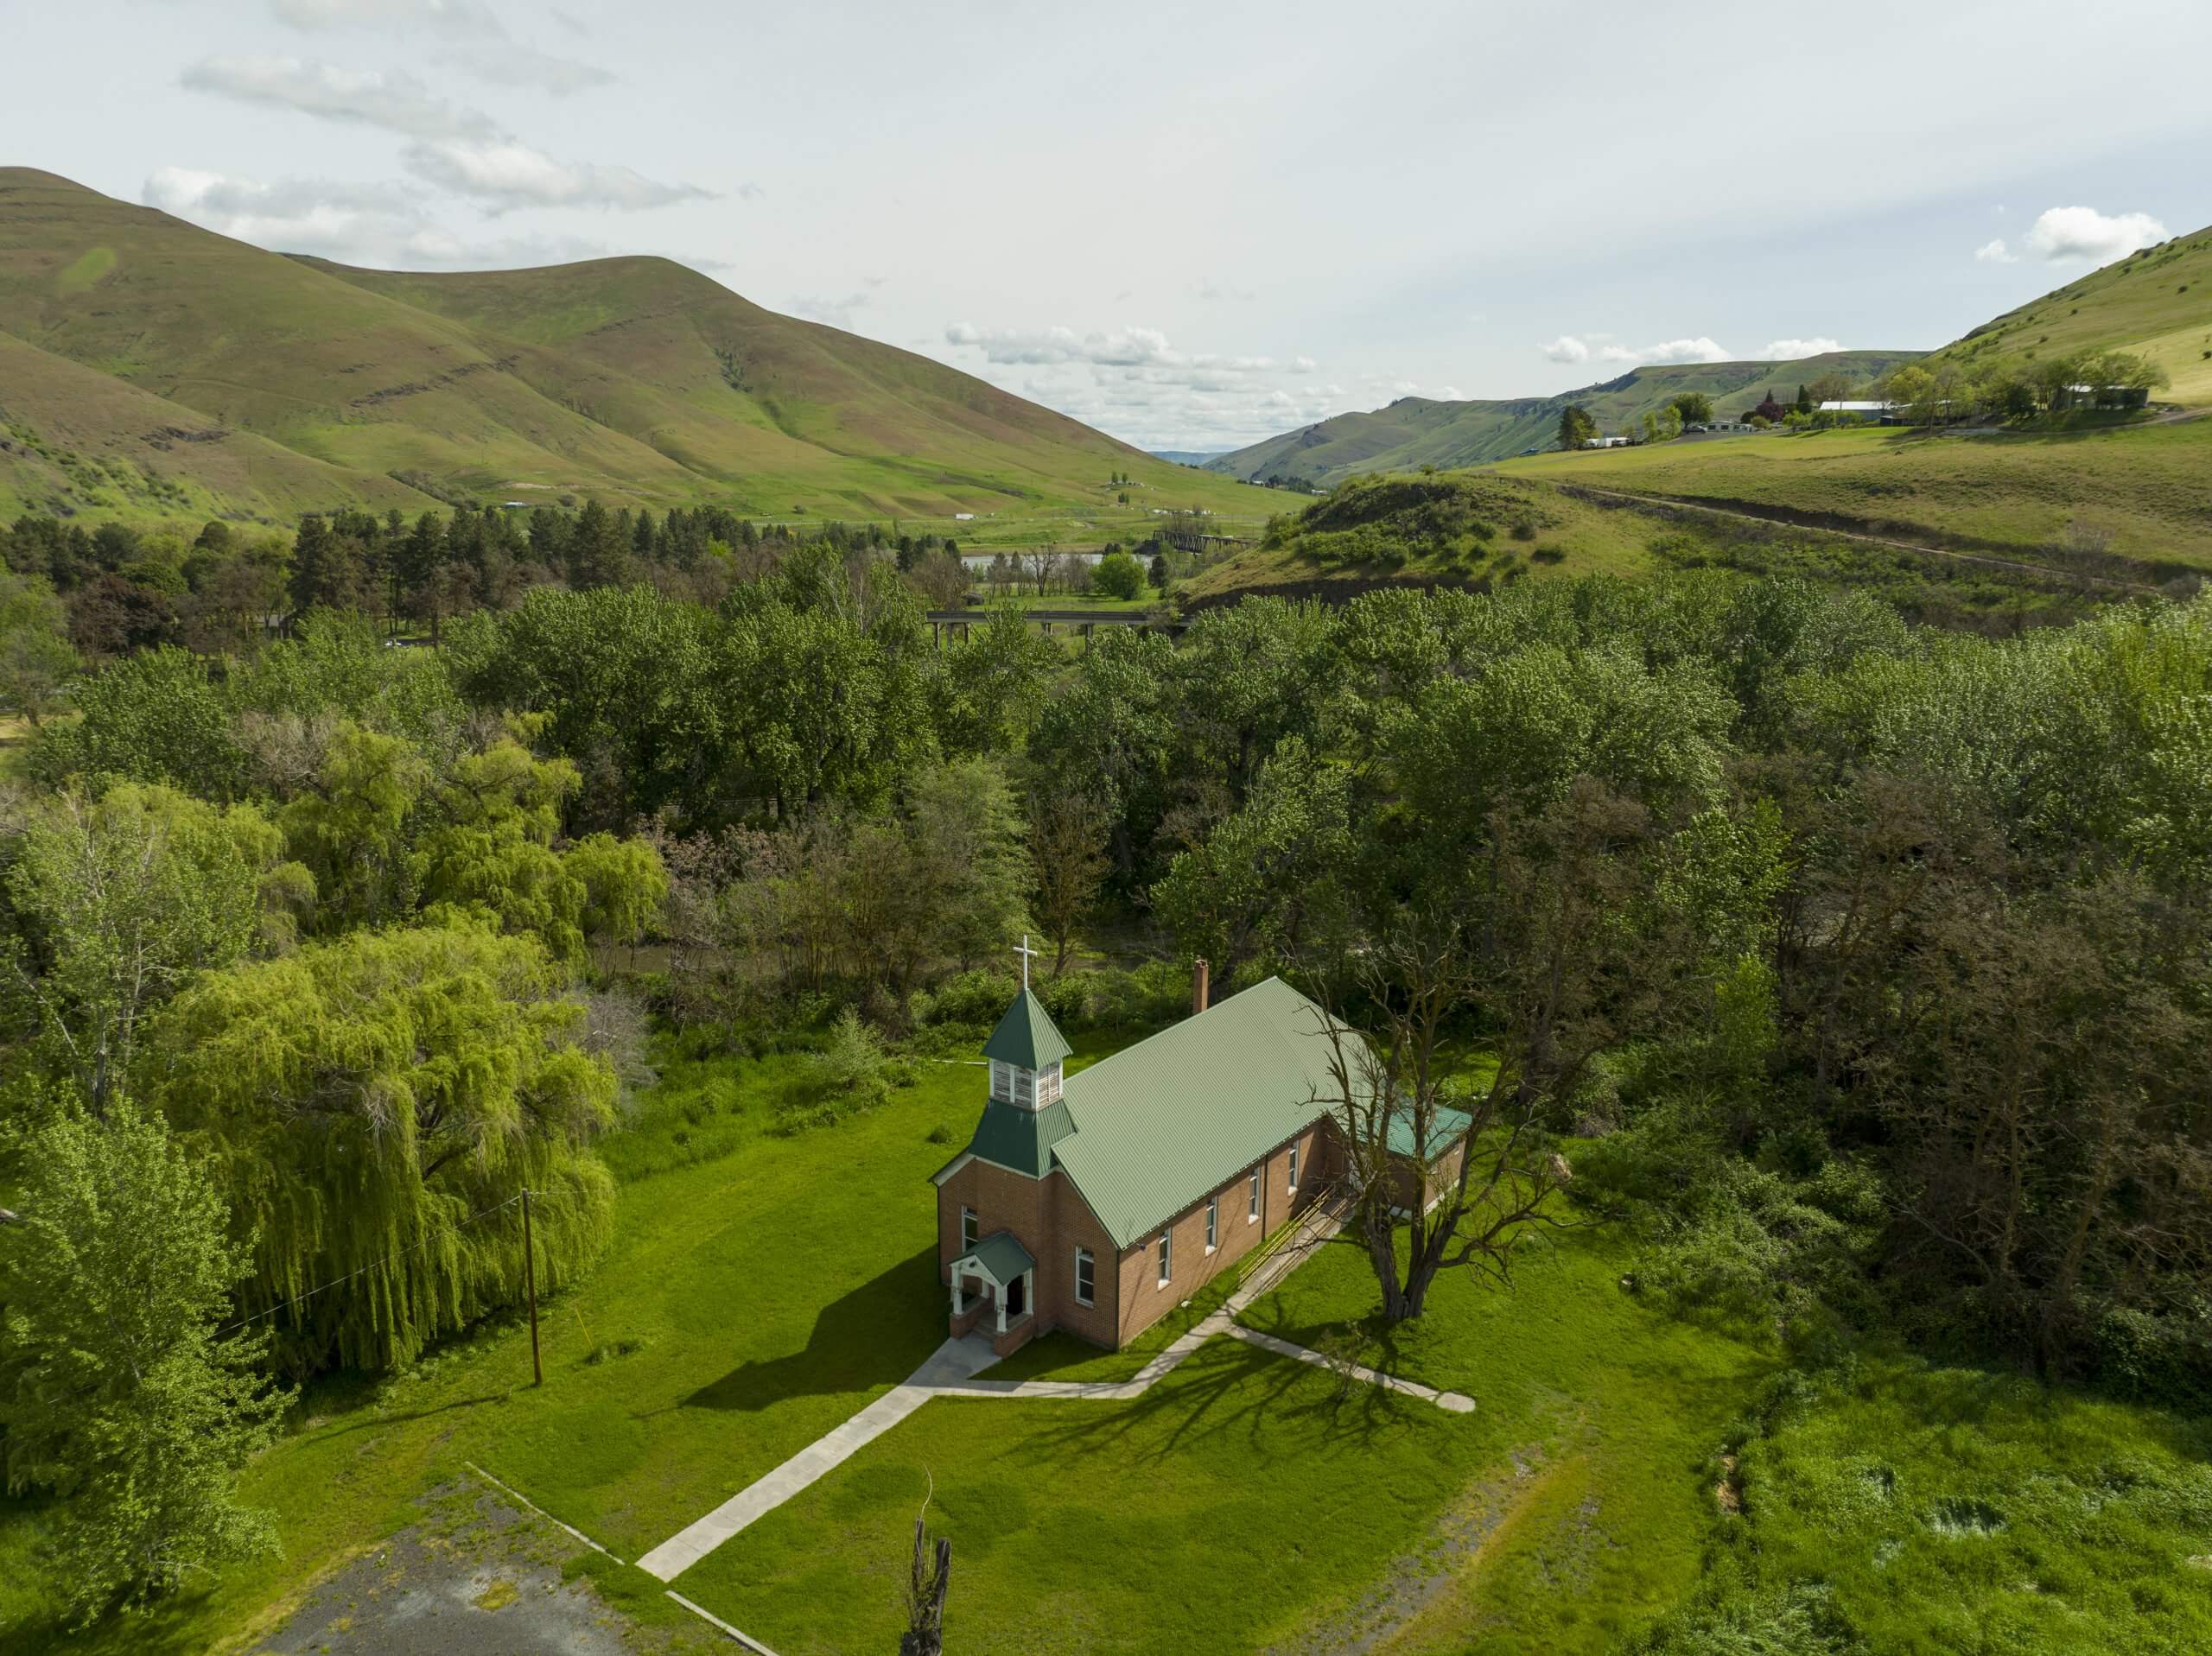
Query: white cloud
(1792, 350)
(449, 18)
(381, 224)
(2085, 233)
(838, 313)
(504, 173)
(1994, 251)
(1136, 382)
(1450, 394)
(1124, 347)
(1669, 352)
(1567, 348)
(509, 64)
(395, 101)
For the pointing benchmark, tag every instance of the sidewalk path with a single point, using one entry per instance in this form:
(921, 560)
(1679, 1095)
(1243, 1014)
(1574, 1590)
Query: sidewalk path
(951, 1371)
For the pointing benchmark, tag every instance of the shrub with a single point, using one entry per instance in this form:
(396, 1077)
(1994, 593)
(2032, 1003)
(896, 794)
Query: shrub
(1118, 575)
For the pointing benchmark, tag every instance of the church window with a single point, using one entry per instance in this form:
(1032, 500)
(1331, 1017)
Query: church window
(1212, 1205)
(1293, 1167)
(1167, 1257)
(1252, 1204)
(1086, 1284)
(967, 1230)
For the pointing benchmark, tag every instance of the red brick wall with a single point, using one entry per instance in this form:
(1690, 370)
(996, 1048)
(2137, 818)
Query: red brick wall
(1144, 1300)
(1052, 1221)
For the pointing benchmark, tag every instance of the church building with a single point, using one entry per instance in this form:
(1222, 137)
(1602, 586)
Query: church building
(1095, 1202)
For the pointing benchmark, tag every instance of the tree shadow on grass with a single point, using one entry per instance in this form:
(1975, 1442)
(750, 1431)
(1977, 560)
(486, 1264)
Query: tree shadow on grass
(876, 1335)
(1227, 1387)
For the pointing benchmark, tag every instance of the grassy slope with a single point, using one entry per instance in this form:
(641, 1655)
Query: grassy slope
(1562, 535)
(1415, 431)
(2158, 303)
(2017, 494)
(635, 379)
(76, 441)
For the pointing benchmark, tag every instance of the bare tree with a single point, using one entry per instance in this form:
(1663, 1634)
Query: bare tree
(1466, 1172)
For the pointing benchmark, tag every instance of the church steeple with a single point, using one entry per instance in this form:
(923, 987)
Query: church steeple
(1026, 1050)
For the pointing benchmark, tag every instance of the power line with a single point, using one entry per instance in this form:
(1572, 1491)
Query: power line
(338, 1282)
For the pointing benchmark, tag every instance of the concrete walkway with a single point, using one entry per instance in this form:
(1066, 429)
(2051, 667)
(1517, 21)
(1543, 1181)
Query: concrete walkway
(951, 1372)
(953, 1361)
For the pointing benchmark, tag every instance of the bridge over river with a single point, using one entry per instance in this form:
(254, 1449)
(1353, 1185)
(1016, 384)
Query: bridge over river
(957, 624)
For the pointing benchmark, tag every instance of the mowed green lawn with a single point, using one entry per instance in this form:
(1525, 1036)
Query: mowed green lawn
(1248, 1502)
(2138, 491)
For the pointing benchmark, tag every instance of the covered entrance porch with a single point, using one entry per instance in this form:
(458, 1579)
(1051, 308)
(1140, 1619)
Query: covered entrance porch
(1004, 1275)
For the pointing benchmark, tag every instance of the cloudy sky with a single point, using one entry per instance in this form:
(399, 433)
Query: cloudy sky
(1190, 224)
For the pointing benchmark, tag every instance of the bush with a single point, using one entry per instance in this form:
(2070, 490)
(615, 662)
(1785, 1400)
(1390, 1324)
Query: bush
(1118, 575)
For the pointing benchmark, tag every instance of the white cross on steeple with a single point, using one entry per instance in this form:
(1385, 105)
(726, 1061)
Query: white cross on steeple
(1027, 954)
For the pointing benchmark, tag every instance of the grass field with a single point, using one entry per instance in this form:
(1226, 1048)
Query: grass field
(763, 1287)
(149, 369)
(1956, 1510)
(2135, 490)
(1245, 1503)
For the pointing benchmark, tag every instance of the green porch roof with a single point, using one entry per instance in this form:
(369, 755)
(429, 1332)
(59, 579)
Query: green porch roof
(1002, 1257)
(1160, 1124)
(1027, 1037)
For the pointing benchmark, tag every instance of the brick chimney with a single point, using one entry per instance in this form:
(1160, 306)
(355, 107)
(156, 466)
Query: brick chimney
(1198, 986)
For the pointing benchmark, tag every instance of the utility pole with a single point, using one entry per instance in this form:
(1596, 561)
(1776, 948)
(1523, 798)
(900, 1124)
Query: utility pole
(530, 1289)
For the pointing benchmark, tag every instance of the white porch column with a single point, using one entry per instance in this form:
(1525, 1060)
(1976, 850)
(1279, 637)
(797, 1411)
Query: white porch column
(957, 1307)
(1029, 1291)
(1001, 1300)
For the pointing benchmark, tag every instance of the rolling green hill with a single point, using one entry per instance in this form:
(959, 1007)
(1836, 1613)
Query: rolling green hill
(311, 384)
(1415, 431)
(2156, 303)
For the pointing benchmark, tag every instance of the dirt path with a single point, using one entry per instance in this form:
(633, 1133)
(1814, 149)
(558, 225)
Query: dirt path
(1681, 504)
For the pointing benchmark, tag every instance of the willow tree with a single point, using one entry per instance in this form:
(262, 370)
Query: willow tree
(375, 1105)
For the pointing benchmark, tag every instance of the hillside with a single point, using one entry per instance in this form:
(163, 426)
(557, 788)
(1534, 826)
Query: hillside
(635, 379)
(1415, 431)
(2156, 303)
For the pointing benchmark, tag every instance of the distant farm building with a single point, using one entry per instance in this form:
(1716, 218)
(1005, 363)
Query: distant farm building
(1872, 413)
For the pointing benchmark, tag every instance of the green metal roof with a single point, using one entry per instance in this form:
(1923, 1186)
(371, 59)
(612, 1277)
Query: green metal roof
(1160, 1124)
(1019, 1138)
(1002, 1256)
(1027, 1037)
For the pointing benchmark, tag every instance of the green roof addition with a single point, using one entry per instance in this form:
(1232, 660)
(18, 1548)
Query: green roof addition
(1027, 1037)
(1446, 1126)
(1160, 1124)
(1002, 1257)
